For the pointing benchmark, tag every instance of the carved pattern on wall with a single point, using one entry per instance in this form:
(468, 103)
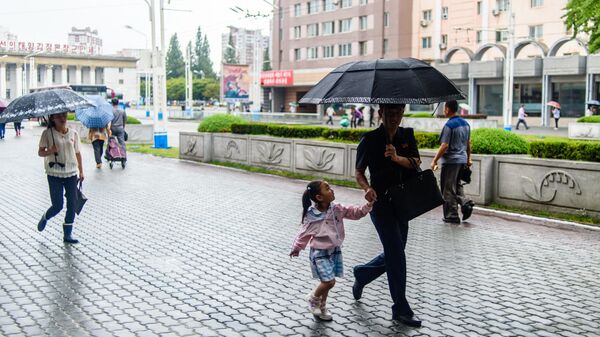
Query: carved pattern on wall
(270, 153)
(190, 149)
(319, 159)
(230, 148)
(549, 183)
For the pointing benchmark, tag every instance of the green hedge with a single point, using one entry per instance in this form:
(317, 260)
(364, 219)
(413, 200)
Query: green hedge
(219, 123)
(345, 134)
(497, 141)
(133, 120)
(589, 119)
(422, 114)
(569, 150)
(295, 131)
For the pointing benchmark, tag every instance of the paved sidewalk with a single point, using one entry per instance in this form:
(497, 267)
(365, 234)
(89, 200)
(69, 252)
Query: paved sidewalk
(172, 248)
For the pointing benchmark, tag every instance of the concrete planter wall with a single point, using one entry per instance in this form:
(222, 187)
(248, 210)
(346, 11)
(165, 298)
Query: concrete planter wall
(138, 133)
(559, 185)
(584, 131)
(437, 124)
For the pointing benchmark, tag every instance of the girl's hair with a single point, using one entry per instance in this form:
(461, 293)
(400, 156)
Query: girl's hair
(309, 195)
(51, 123)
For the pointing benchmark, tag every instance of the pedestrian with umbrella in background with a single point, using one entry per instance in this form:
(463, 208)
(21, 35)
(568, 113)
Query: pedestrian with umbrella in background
(59, 146)
(555, 112)
(98, 120)
(390, 154)
(2, 125)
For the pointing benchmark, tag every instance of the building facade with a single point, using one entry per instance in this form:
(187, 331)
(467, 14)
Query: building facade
(22, 71)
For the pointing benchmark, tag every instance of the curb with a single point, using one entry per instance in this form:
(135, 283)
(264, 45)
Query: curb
(547, 222)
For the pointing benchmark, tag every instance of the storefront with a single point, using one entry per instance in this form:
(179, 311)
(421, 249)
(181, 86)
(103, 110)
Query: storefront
(287, 87)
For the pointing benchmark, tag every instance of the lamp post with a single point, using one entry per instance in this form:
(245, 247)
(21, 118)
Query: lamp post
(509, 61)
(145, 73)
(32, 74)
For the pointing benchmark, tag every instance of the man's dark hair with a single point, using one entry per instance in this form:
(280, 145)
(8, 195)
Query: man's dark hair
(114, 101)
(452, 106)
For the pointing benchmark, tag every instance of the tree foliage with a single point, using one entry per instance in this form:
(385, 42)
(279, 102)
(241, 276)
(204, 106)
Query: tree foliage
(583, 16)
(175, 64)
(230, 56)
(202, 62)
(203, 89)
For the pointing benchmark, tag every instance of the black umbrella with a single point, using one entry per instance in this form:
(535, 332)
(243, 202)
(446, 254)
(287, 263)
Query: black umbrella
(43, 104)
(383, 81)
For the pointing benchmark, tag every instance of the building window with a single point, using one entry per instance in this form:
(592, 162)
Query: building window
(501, 35)
(53, 75)
(312, 7)
(362, 48)
(328, 28)
(345, 25)
(312, 30)
(444, 13)
(280, 34)
(297, 32)
(444, 43)
(363, 2)
(68, 76)
(120, 70)
(312, 53)
(427, 15)
(346, 3)
(536, 32)
(297, 9)
(537, 3)
(478, 36)
(386, 19)
(121, 82)
(328, 5)
(39, 75)
(426, 42)
(501, 5)
(328, 52)
(297, 54)
(386, 45)
(8, 94)
(362, 22)
(478, 7)
(8, 74)
(345, 49)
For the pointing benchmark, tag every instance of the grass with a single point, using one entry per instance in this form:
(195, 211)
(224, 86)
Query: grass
(585, 219)
(286, 174)
(172, 152)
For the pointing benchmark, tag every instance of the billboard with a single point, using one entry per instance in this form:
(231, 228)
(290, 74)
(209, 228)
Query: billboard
(277, 78)
(235, 83)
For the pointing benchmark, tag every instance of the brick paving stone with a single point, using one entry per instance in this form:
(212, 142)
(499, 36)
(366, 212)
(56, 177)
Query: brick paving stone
(198, 250)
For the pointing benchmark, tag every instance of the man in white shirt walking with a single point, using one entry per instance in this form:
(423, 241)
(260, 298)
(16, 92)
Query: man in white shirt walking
(521, 117)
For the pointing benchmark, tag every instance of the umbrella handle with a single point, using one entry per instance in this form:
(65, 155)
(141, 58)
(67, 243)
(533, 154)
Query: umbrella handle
(53, 143)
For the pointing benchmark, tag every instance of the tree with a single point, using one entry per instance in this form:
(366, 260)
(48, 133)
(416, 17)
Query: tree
(175, 65)
(203, 63)
(266, 61)
(583, 16)
(230, 56)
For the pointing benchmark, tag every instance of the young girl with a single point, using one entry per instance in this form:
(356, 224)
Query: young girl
(323, 229)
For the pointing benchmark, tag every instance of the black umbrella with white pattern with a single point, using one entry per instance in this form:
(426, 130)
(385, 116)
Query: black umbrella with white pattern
(43, 104)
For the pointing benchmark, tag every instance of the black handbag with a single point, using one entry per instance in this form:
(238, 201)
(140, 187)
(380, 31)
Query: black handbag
(416, 195)
(465, 174)
(125, 136)
(81, 199)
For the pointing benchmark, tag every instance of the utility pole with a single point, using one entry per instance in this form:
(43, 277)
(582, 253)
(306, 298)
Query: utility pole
(189, 96)
(509, 61)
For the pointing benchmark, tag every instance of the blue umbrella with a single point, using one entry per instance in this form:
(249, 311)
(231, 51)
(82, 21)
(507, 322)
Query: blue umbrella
(95, 117)
(43, 104)
(592, 102)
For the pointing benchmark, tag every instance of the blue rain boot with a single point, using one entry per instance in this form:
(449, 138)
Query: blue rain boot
(67, 230)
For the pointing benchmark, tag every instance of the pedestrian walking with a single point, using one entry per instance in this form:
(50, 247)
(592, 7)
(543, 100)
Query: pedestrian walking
(330, 113)
(353, 118)
(385, 151)
(371, 114)
(59, 146)
(556, 115)
(360, 116)
(521, 117)
(2, 130)
(118, 123)
(17, 128)
(455, 154)
(98, 136)
(323, 230)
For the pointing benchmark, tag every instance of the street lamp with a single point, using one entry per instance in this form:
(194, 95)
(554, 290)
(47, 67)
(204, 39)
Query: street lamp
(32, 77)
(146, 83)
(139, 32)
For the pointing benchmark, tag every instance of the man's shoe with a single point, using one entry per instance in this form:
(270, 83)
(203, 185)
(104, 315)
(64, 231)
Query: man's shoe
(357, 288)
(42, 223)
(467, 210)
(411, 321)
(452, 220)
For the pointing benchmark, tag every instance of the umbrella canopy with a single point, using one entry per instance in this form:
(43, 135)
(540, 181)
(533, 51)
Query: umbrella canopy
(42, 104)
(592, 102)
(554, 104)
(383, 81)
(95, 117)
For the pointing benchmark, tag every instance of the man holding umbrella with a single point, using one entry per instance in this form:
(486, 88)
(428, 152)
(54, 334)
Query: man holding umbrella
(59, 146)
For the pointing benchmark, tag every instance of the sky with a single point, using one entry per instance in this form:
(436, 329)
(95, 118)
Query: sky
(51, 20)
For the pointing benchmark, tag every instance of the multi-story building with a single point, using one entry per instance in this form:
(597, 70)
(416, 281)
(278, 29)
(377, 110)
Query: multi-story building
(312, 37)
(86, 38)
(245, 41)
(6, 35)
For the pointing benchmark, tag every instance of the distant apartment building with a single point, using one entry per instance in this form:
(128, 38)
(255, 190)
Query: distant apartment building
(244, 42)
(86, 38)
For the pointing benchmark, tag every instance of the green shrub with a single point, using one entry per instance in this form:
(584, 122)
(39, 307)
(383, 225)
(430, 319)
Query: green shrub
(589, 119)
(427, 140)
(420, 114)
(219, 123)
(250, 128)
(70, 116)
(295, 131)
(133, 120)
(345, 134)
(570, 150)
(497, 141)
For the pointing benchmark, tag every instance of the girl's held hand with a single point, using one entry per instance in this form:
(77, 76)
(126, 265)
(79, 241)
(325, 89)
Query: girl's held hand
(294, 253)
(53, 149)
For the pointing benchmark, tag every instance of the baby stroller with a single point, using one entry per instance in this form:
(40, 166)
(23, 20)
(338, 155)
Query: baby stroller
(115, 152)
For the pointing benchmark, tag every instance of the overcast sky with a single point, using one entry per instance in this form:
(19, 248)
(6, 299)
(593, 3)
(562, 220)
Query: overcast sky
(51, 20)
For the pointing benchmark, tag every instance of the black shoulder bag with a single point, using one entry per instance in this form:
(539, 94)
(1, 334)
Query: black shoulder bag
(416, 195)
(81, 199)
